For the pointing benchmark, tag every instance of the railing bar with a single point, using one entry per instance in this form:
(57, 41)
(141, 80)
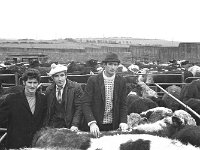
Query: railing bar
(179, 101)
(3, 136)
(3, 129)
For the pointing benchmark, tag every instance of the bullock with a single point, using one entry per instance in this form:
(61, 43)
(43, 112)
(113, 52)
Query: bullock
(82, 68)
(122, 68)
(133, 68)
(137, 142)
(135, 119)
(169, 101)
(116, 142)
(137, 104)
(189, 134)
(195, 70)
(168, 126)
(190, 90)
(194, 104)
(156, 114)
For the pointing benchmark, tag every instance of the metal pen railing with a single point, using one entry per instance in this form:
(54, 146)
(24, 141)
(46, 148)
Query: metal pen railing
(184, 105)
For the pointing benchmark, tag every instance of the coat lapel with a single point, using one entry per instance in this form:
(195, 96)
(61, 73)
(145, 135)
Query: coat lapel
(37, 104)
(65, 94)
(101, 85)
(52, 94)
(116, 88)
(25, 102)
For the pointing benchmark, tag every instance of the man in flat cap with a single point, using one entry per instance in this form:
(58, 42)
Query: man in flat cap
(63, 100)
(104, 100)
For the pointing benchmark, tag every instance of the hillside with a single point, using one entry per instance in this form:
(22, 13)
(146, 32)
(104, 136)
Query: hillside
(81, 43)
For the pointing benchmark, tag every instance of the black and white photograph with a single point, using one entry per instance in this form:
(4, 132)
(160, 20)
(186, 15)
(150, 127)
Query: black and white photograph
(99, 75)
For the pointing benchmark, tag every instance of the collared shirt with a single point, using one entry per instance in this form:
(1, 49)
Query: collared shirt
(31, 102)
(61, 90)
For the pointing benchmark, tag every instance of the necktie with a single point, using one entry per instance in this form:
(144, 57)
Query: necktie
(59, 96)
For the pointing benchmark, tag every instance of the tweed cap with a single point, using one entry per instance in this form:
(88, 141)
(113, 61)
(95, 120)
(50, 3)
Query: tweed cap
(111, 57)
(56, 69)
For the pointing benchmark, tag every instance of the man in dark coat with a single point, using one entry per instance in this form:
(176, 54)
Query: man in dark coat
(104, 101)
(63, 100)
(24, 112)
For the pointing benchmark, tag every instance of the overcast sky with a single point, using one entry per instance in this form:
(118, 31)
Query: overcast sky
(174, 20)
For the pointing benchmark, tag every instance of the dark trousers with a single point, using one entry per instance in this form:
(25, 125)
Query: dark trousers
(106, 127)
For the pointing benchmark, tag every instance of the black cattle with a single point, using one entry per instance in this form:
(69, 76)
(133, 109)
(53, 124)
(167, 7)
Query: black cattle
(190, 90)
(189, 134)
(169, 101)
(194, 104)
(137, 104)
(82, 68)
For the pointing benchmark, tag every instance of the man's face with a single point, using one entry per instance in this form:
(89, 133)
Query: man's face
(59, 78)
(111, 68)
(31, 85)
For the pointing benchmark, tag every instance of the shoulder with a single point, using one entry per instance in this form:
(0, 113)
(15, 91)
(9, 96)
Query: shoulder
(11, 97)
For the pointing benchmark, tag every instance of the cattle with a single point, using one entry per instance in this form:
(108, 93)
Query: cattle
(168, 126)
(59, 138)
(137, 104)
(189, 134)
(64, 138)
(195, 70)
(190, 90)
(137, 142)
(194, 104)
(122, 68)
(169, 101)
(135, 119)
(156, 114)
(82, 68)
(133, 68)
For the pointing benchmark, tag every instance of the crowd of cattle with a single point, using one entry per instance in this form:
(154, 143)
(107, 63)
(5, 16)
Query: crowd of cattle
(155, 121)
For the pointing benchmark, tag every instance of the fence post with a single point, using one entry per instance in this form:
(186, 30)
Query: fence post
(16, 79)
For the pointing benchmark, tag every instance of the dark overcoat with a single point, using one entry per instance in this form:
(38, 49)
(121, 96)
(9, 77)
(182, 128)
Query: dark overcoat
(93, 100)
(21, 123)
(71, 95)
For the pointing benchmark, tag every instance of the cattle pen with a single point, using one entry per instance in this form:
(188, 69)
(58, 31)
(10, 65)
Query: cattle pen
(82, 79)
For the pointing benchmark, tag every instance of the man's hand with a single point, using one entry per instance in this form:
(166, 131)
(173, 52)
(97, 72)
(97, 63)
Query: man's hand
(123, 127)
(74, 128)
(94, 129)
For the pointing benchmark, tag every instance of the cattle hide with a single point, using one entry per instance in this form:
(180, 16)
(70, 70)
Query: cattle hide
(138, 104)
(137, 142)
(189, 134)
(194, 104)
(63, 137)
(168, 125)
(190, 90)
(135, 119)
(156, 114)
(169, 101)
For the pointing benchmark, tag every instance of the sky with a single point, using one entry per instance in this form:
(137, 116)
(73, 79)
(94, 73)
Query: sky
(173, 20)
